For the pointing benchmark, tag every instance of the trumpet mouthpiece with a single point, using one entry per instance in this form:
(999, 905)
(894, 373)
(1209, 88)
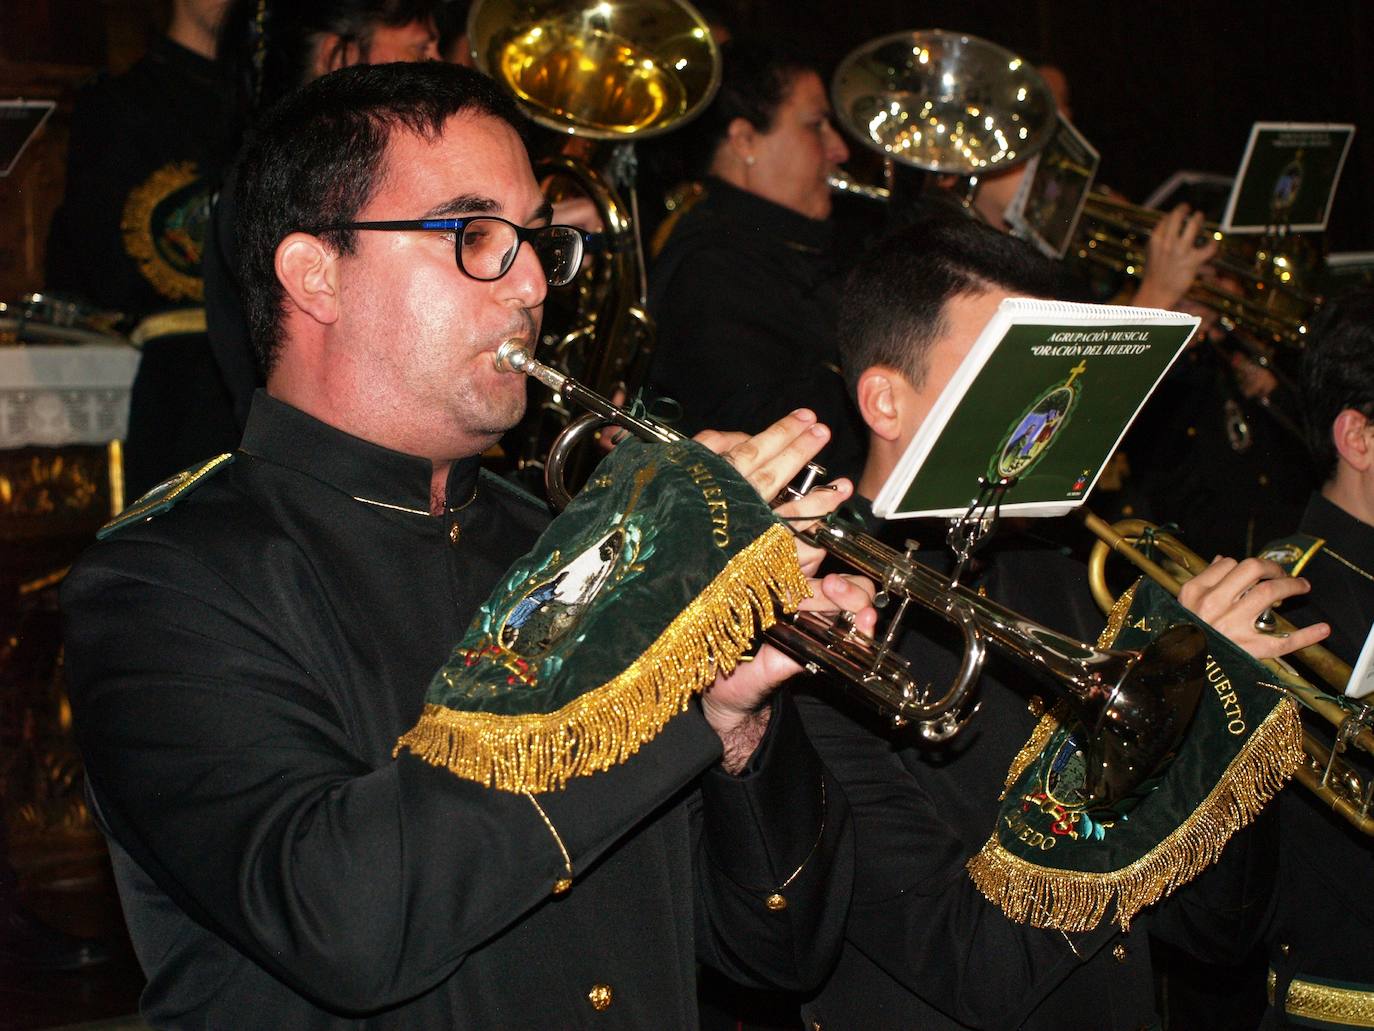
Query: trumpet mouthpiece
(511, 356)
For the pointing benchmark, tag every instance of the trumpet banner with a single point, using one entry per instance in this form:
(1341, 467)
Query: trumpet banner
(657, 577)
(1054, 862)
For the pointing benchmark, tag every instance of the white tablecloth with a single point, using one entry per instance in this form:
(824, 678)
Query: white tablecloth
(64, 394)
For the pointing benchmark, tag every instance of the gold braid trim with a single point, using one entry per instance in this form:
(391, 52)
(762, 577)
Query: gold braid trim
(606, 725)
(168, 323)
(1311, 1000)
(1076, 901)
(1050, 722)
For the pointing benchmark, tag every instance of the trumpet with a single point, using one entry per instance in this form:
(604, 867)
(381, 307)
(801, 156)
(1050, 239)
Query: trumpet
(1325, 771)
(1136, 705)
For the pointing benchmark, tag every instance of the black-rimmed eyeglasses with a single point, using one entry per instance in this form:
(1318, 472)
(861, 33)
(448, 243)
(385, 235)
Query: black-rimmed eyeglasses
(485, 246)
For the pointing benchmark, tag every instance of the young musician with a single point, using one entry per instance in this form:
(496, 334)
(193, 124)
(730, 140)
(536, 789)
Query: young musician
(1322, 939)
(922, 947)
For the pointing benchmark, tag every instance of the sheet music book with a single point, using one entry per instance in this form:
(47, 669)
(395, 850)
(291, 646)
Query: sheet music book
(20, 121)
(1288, 177)
(1362, 673)
(1054, 189)
(1045, 394)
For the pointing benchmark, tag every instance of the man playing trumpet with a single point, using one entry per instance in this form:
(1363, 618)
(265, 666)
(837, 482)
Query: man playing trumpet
(248, 645)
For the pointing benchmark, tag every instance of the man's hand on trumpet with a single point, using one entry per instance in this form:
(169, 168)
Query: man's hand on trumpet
(736, 705)
(1173, 259)
(1235, 597)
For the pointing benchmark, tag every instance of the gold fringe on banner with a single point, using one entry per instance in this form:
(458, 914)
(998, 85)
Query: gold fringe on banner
(606, 725)
(1076, 901)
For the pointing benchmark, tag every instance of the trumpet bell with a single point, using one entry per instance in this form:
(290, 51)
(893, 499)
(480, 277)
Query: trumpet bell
(944, 102)
(610, 70)
(1134, 727)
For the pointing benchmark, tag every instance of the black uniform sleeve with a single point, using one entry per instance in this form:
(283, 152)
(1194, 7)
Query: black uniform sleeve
(222, 767)
(1221, 915)
(787, 803)
(85, 254)
(915, 913)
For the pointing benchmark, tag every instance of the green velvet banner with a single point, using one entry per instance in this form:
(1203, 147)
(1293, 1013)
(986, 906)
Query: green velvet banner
(659, 575)
(1054, 861)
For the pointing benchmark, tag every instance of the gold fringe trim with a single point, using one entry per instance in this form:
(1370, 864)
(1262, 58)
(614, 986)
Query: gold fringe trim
(1116, 619)
(1076, 901)
(608, 724)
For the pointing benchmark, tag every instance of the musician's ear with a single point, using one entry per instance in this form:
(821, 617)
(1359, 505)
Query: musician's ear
(308, 271)
(739, 137)
(880, 393)
(1352, 433)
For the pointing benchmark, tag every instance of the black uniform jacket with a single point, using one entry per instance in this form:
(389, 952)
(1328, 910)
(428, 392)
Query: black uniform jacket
(745, 299)
(241, 667)
(923, 948)
(1324, 925)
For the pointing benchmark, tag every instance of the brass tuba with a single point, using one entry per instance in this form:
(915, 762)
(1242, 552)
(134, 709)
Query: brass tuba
(617, 70)
(1327, 770)
(942, 102)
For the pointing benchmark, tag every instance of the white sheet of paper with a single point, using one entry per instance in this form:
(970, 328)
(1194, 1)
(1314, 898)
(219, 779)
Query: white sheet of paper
(1362, 674)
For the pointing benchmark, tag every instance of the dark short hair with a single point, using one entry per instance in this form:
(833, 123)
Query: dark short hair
(268, 46)
(892, 308)
(1337, 371)
(318, 156)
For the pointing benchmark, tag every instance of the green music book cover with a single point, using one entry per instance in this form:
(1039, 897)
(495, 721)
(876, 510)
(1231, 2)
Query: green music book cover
(1045, 394)
(1287, 178)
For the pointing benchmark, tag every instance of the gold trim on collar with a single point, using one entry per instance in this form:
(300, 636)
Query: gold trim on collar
(395, 508)
(1307, 557)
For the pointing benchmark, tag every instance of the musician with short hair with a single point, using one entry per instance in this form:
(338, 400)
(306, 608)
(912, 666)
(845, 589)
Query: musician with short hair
(1322, 938)
(246, 648)
(923, 948)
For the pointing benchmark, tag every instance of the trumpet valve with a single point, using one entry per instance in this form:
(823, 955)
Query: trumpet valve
(807, 483)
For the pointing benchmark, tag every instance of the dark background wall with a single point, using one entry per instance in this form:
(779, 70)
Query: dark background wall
(1158, 85)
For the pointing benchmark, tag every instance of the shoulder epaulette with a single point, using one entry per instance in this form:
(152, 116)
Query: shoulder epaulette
(165, 495)
(1293, 552)
(513, 489)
